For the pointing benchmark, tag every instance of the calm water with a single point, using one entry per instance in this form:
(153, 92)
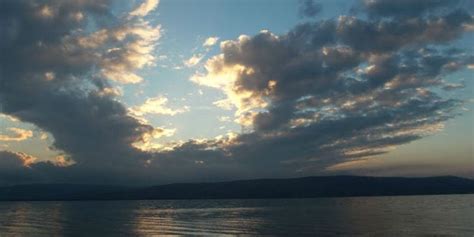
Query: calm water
(450, 215)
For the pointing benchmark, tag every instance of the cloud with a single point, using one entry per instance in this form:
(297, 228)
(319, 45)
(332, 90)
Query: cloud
(325, 93)
(224, 119)
(8, 117)
(145, 8)
(309, 8)
(148, 141)
(15, 167)
(334, 91)
(118, 49)
(453, 86)
(56, 72)
(15, 159)
(211, 41)
(138, 42)
(156, 105)
(43, 136)
(385, 36)
(405, 8)
(18, 135)
(62, 161)
(193, 60)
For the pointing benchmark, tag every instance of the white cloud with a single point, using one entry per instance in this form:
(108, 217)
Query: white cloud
(8, 117)
(156, 105)
(210, 41)
(110, 91)
(145, 8)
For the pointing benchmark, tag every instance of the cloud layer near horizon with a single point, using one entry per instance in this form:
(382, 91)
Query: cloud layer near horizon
(325, 93)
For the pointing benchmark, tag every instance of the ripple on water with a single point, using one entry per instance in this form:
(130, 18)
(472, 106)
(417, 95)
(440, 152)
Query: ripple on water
(378, 216)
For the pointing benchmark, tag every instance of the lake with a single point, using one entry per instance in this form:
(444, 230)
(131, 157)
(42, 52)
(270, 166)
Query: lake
(442, 215)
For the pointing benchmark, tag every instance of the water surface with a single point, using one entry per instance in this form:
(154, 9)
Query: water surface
(443, 215)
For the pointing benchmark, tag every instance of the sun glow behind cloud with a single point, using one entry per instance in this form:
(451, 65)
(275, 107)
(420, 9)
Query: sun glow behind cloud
(17, 134)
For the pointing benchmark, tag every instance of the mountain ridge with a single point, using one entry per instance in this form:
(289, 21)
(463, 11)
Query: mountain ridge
(302, 187)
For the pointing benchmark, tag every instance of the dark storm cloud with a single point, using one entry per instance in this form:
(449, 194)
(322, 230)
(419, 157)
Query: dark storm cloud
(326, 92)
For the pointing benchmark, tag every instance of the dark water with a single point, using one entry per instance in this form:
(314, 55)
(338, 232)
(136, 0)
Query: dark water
(449, 215)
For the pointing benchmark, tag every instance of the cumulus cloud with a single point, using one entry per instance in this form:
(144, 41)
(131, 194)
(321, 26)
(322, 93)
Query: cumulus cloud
(325, 93)
(55, 72)
(17, 135)
(334, 91)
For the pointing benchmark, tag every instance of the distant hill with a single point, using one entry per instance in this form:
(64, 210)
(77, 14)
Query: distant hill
(307, 187)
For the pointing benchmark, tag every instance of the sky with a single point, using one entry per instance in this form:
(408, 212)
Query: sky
(162, 91)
